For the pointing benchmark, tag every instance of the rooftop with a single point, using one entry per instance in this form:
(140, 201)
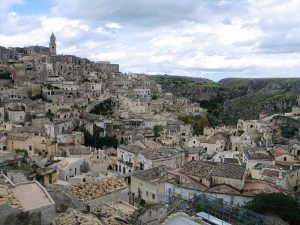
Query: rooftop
(182, 218)
(31, 195)
(76, 217)
(28, 129)
(109, 211)
(231, 160)
(210, 169)
(7, 197)
(258, 153)
(191, 150)
(66, 161)
(255, 187)
(224, 189)
(97, 188)
(17, 137)
(78, 150)
(151, 174)
(157, 153)
(280, 151)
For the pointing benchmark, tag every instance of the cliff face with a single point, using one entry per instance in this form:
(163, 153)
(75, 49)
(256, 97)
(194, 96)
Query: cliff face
(249, 97)
(235, 98)
(251, 105)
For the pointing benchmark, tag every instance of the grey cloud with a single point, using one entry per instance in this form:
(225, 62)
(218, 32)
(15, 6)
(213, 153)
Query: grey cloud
(148, 12)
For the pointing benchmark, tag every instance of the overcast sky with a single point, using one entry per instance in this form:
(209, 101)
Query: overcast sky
(203, 38)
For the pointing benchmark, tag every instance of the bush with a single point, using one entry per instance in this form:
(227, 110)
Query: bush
(98, 142)
(158, 129)
(276, 204)
(21, 151)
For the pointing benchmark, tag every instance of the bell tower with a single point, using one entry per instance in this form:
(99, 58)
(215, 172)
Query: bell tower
(52, 45)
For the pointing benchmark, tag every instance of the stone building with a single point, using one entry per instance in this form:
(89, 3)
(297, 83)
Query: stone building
(4, 54)
(98, 191)
(285, 177)
(148, 185)
(253, 156)
(69, 167)
(139, 157)
(106, 67)
(28, 198)
(210, 174)
(14, 142)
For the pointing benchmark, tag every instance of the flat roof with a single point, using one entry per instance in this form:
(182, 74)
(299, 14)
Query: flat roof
(180, 220)
(211, 218)
(31, 196)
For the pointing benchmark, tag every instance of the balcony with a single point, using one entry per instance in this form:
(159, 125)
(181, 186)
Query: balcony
(130, 164)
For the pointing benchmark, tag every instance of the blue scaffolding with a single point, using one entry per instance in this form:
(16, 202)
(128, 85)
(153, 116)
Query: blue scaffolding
(215, 209)
(226, 211)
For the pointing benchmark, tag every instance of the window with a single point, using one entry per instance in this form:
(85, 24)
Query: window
(153, 196)
(284, 158)
(147, 193)
(30, 148)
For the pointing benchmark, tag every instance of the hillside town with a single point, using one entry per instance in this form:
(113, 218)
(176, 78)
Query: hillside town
(83, 143)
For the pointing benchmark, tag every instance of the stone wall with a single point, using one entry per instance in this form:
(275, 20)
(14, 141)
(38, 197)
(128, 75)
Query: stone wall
(41, 216)
(62, 195)
(17, 176)
(113, 197)
(188, 193)
(8, 213)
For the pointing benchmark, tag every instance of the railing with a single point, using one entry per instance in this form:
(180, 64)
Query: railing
(230, 213)
(216, 207)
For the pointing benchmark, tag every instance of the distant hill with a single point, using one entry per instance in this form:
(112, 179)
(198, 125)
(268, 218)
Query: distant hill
(231, 99)
(181, 80)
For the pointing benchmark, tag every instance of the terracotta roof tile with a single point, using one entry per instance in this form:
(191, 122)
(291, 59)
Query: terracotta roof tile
(280, 151)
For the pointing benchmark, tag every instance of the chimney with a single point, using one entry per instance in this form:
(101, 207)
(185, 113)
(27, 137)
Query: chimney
(280, 173)
(291, 167)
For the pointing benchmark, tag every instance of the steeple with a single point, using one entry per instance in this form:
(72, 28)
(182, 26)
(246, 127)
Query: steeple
(52, 44)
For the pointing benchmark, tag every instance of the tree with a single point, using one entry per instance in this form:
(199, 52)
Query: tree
(197, 122)
(21, 151)
(154, 97)
(85, 167)
(157, 129)
(276, 204)
(98, 142)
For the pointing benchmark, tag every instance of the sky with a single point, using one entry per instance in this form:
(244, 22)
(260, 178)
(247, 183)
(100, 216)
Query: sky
(213, 39)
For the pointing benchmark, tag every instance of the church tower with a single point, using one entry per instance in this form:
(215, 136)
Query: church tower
(52, 45)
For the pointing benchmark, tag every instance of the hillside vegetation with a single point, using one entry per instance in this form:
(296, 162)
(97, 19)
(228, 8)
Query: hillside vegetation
(182, 81)
(231, 99)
